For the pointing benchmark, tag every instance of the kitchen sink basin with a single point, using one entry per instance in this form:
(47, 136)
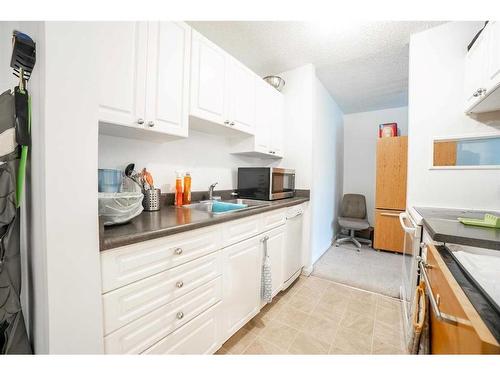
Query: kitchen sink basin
(218, 207)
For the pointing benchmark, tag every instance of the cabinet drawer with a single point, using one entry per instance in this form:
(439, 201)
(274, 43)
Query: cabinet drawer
(239, 230)
(130, 302)
(470, 337)
(388, 232)
(134, 262)
(273, 219)
(199, 336)
(142, 333)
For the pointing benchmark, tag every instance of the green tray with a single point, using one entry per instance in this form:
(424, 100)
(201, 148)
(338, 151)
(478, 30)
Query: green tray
(489, 221)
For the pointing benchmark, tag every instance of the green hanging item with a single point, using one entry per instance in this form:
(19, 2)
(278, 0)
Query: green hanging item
(21, 174)
(22, 61)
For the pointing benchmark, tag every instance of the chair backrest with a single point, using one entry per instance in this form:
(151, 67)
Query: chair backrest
(354, 206)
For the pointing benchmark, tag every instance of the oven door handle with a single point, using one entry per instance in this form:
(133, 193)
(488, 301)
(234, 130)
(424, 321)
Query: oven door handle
(409, 230)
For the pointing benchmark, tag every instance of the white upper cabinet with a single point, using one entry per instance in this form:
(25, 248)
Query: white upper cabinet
(122, 54)
(482, 71)
(241, 97)
(269, 124)
(144, 79)
(208, 80)
(277, 115)
(222, 90)
(167, 88)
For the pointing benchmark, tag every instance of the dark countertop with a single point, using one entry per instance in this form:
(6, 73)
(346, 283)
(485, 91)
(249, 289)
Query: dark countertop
(443, 226)
(171, 220)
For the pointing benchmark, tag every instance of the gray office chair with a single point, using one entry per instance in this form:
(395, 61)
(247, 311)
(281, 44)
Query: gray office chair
(353, 217)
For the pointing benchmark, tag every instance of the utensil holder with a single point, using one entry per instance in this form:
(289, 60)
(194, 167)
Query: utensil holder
(151, 201)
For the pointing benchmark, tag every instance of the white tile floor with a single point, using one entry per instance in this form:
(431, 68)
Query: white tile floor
(317, 316)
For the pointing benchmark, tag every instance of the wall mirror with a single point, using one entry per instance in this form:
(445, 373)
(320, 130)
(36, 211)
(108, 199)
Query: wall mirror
(467, 152)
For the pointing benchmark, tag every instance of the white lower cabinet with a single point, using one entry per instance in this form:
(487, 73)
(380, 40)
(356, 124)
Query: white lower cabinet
(126, 304)
(241, 278)
(275, 251)
(199, 336)
(190, 292)
(141, 334)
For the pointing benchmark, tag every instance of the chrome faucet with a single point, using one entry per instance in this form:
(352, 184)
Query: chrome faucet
(211, 191)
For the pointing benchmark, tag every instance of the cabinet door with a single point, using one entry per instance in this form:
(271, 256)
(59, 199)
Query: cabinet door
(391, 173)
(476, 67)
(262, 119)
(494, 54)
(122, 54)
(208, 80)
(277, 115)
(275, 249)
(167, 90)
(242, 272)
(241, 97)
(388, 232)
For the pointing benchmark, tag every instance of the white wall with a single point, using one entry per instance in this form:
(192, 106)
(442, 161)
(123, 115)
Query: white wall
(360, 150)
(69, 115)
(206, 156)
(436, 108)
(327, 169)
(314, 141)
(299, 94)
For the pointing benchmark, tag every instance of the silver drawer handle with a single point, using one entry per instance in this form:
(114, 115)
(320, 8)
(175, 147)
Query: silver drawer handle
(264, 239)
(455, 320)
(179, 284)
(178, 251)
(180, 315)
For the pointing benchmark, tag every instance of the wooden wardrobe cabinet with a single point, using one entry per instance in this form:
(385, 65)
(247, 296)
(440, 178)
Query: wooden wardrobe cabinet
(390, 196)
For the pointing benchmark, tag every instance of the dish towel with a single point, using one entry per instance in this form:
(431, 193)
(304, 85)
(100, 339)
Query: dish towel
(266, 280)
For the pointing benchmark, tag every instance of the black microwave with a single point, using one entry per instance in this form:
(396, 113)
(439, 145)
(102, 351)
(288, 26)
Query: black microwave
(266, 183)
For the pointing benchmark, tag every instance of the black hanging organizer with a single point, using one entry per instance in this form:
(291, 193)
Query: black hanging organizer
(15, 123)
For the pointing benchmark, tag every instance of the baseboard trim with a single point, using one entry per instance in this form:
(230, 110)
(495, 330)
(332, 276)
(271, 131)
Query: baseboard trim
(306, 271)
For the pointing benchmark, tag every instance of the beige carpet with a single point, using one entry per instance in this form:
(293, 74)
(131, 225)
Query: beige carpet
(376, 271)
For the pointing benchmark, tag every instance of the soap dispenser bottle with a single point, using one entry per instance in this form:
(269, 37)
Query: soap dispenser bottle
(178, 189)
(187, 189)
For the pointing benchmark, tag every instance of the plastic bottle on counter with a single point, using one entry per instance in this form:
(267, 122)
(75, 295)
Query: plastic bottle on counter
(187, 189)
(178, 189)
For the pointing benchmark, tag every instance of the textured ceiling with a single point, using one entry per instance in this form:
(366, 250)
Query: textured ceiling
(363, 65)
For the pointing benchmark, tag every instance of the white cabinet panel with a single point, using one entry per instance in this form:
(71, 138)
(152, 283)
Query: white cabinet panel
(239, 230)
(144, 332)
(482, 71)
(275, 251)
(123, 305)
(273, 219)
(122, 54)
(269, 127)
(167, 94)
(241, 97)
(277, 115)
(208, 80)
(242, 272)
(127, 264)
(199, 336)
